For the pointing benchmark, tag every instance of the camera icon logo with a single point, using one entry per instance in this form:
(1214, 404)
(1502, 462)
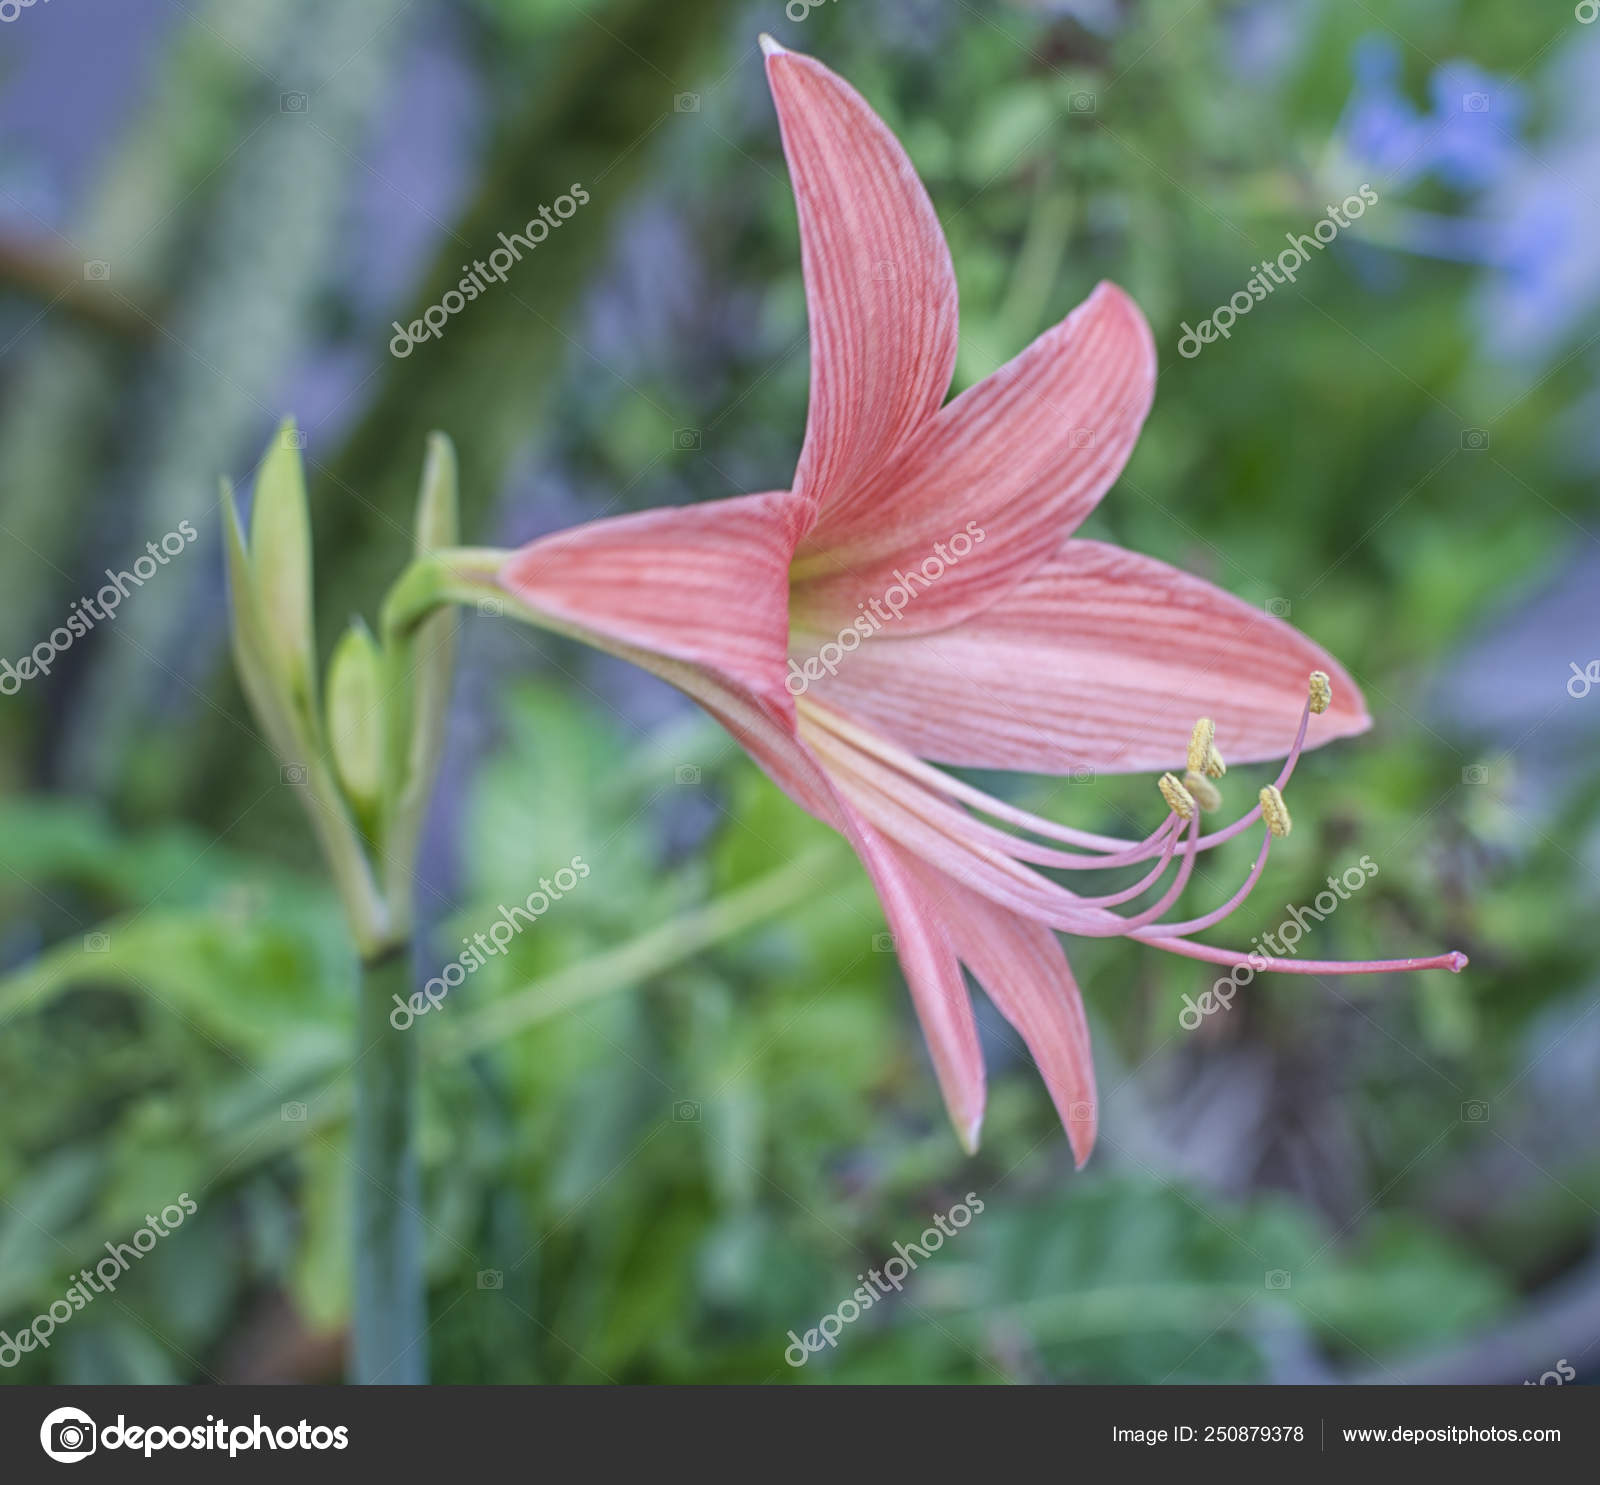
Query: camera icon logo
(492, 608)
(686, 438)
(1475, 103)
(687, 773)
(97, 943)
(883, 943)
(294, 1113)
(1080, 1113)
(1081, 103)
(1475, 773)
(1474, 440)
(292, 773)
(293, 103)
(1277, 1278)
(295, 438)
(686, 103)
(1083, 775)
(1475, 1111)
(686, 1111)
(491, 1278)
(97, 270)
(1279, 606)
(1083, 438)
(68, 1435)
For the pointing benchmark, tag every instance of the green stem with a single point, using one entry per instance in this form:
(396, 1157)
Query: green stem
(388, 1334)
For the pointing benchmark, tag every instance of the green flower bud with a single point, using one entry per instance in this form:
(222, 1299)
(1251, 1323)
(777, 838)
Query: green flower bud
(355, 718)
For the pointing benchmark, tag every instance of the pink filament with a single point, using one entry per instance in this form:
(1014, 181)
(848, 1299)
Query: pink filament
(998, 857)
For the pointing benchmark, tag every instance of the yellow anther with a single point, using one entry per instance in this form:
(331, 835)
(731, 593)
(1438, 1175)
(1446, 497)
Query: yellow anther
(1204, 792)
(1203, 755)
(1275, 812)
(1321, 691)
(1177, 796)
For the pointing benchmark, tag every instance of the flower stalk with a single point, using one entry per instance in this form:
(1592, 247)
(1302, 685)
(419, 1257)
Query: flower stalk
(388, 1337)
(364, 763)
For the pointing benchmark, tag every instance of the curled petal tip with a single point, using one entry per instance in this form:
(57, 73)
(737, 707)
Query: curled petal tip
(1458, 961)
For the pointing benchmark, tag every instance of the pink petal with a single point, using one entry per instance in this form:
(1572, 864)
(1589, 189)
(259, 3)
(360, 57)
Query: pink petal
(696, 594)
(933, 974)
(1025, 972)
(705, 585)
(1101, 660)
(1006, 472)
(880, 288)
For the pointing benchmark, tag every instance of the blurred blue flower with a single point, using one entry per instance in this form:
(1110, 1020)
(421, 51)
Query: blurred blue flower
(1468, 142)
(1548, 279)
(1528, 216)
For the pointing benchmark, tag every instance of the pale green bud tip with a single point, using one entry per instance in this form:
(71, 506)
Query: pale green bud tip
(438, 503)
(355, 715)
(280, 558)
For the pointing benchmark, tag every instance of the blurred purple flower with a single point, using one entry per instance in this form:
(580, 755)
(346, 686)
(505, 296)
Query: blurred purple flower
(1527, 217)
(1468, 142)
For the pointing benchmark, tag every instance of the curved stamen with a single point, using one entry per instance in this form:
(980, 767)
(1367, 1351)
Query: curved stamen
(1455, 961)
(1216, 915)
(1171, 895)
(914, 768)
(922, 808)
(1119, 852)
(847, 745)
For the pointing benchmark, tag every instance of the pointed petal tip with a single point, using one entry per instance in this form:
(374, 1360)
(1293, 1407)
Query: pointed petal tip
(1107, 289)
(970, 1135)
(771, 46)
(1081, 1123)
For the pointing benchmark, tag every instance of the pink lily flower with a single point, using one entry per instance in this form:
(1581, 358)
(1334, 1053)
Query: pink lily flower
(914, 598)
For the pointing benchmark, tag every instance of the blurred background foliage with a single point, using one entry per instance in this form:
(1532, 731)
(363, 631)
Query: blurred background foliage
(686, 1110)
